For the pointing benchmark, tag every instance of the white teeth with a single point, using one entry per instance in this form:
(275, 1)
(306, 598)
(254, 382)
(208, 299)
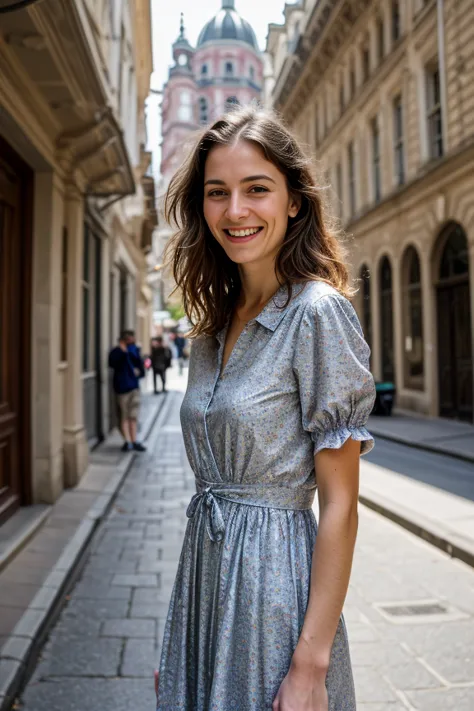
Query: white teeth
(243, 233)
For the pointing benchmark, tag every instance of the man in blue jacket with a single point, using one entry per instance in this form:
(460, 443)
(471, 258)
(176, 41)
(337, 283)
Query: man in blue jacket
(127, 364)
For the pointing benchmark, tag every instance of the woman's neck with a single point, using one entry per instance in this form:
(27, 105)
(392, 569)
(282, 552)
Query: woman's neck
(258, 287)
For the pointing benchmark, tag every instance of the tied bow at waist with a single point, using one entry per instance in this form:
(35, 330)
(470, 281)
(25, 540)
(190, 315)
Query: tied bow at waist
(277, 496)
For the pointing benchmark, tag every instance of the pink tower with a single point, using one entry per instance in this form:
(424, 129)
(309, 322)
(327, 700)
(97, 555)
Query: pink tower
(226, 68)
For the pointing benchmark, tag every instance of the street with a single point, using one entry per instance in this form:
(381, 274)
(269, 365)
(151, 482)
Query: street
(409, 610)
(446, 473)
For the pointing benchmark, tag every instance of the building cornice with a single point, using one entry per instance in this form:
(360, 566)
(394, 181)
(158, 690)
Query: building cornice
(327, 28)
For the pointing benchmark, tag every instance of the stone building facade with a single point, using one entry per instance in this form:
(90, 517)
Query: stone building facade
(76, 218)
(382, 92)
(225, 68)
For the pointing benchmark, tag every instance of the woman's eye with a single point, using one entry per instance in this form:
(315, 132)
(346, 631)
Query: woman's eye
(216, 193)
(259, 189)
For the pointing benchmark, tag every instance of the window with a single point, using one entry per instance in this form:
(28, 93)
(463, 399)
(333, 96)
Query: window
(64, 259)
(366, 314)
(396, 23)
(339, 189)
(203, 114)
(435, 121)
(90, 299)
(229, 69)
(352, 81)
(351, 166)
(252, 73)
(380, 39)
(398, 148)
(376, 173)
(365, 63)
(204, 70)
(185, 111)
(231, 103)
(413, 319)
(386, 320)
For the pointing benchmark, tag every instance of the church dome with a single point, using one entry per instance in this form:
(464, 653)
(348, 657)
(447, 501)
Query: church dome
(228, 25)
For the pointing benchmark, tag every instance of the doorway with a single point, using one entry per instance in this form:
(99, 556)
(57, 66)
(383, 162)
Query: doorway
(455, 368)
(15, 319)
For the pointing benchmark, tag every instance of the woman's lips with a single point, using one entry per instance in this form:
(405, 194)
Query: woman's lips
(245, 238)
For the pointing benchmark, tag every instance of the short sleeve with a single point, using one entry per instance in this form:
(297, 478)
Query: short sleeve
(331, 364)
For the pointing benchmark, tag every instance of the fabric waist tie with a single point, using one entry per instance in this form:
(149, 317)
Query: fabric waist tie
(275, 496)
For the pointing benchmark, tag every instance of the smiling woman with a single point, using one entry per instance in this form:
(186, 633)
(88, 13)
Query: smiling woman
(279, 392)
(247, 171)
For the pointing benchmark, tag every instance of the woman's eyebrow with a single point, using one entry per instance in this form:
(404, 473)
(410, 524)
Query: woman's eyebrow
(215, 181)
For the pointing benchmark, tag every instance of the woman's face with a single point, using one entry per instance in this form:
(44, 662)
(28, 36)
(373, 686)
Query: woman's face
(246, 202)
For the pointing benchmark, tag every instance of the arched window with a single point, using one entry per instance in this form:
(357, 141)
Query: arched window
(455, 363)
(204, 70)
(229, 69)
(203, 114)
(231, 103)
(366, 307)
(252, 73)
(386, 314)
(455, 258)
(412, 319)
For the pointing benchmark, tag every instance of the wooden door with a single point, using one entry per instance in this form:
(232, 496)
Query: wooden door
(15, 282)
(455, 363)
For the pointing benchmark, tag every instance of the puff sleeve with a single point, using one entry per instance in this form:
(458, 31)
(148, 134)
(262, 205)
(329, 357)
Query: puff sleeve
(331, 364)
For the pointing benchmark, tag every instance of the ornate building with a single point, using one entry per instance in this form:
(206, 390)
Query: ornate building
(76, 216)
(225, 68)
(383, 92)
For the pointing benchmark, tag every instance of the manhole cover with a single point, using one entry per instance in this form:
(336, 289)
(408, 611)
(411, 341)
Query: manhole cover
(418, 612)
(423, 608)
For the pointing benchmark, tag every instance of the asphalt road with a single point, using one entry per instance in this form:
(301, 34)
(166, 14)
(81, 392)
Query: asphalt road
(446, 473)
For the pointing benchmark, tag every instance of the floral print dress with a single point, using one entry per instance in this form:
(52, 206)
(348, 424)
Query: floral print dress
(297, 381)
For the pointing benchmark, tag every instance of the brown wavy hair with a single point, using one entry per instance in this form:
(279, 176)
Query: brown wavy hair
(208, 279)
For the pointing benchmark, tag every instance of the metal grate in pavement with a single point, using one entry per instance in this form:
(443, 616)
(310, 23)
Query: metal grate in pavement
(418, 611)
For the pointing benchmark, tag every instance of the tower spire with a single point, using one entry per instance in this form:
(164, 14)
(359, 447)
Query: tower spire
(181, 26)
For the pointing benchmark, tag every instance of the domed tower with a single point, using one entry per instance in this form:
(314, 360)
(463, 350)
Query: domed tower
(227, 64)
(179, 107)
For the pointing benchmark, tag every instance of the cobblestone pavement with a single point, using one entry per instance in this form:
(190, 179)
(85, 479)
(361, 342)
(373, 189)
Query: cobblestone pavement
(103, 650)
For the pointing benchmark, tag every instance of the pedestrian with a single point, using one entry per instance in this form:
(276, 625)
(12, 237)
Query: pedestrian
(276, 407)
(127, 364)
(180, 343)
(160, 357)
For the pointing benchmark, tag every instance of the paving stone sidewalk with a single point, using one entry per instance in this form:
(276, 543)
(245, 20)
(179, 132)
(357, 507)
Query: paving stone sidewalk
(107, 642)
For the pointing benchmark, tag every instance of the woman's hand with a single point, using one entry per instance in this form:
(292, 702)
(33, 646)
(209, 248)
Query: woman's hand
(157, 679)
(303, 688)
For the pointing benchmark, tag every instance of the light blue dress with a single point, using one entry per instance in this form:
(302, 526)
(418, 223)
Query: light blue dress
(297, 381)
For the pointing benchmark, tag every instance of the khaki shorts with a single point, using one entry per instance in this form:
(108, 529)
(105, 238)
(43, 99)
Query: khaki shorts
(128, 405)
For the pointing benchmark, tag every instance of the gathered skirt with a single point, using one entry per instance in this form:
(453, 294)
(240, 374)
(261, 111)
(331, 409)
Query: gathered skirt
(236, 613)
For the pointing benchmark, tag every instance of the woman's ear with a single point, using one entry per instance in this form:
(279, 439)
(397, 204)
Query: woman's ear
(294, 205)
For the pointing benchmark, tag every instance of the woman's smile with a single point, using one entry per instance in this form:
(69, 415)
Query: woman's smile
(242, 234)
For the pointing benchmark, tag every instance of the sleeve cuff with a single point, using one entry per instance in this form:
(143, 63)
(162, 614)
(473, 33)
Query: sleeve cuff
(334, 439)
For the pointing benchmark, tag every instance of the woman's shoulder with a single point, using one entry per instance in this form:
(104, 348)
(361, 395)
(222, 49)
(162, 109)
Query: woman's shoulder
(320, 303)
(313, 296)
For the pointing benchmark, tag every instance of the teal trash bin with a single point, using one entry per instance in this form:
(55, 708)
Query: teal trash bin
(384, 398)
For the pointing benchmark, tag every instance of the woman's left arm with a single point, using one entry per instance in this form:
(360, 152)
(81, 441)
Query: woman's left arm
(304, 687)
(338, 489)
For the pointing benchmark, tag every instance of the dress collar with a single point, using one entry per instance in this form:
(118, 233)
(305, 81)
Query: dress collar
(272, 313)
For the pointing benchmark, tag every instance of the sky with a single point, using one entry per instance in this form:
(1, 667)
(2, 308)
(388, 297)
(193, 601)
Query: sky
(165, 29)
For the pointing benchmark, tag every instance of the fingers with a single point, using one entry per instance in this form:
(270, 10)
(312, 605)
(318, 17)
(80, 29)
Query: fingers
(157, 679)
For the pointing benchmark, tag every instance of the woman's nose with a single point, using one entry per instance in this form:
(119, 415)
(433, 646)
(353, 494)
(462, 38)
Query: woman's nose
(236, 208)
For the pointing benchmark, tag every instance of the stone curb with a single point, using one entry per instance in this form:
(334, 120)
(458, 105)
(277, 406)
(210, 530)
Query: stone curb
(430, 531)
(19, 653)
(427, 447)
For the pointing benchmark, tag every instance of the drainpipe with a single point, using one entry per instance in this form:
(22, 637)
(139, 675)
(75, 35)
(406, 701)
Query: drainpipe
(442, 73)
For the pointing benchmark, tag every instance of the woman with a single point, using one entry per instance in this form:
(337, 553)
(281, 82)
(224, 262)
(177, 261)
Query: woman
(278, 397)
